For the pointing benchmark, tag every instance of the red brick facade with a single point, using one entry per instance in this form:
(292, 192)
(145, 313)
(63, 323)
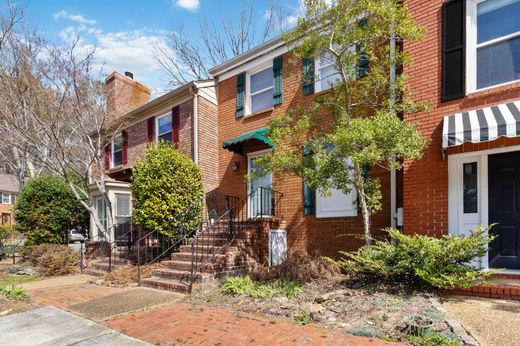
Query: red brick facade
(135, 123)
(425, 190)
(325, 235)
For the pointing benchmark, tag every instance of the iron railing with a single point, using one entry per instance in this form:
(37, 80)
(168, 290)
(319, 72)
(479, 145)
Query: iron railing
(211, 240)
(121, 248)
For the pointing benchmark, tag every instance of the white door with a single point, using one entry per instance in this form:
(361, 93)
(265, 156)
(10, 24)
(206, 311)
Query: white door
(259, 188)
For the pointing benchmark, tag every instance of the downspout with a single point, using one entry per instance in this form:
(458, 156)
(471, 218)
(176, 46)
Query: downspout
(393, 176)
(195, 124)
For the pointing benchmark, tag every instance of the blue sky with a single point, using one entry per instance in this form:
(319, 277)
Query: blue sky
(125, 32)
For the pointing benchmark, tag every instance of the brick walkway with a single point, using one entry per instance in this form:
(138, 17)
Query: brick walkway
(194, 325)
(184, 324)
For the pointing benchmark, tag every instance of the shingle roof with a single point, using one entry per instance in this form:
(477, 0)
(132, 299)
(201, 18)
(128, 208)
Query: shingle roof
(9, 183)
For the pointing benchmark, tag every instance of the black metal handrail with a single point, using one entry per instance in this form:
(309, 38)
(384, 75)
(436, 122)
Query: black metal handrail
(263, 202)
(113, 248)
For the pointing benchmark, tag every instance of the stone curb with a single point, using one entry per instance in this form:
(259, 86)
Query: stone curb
(455, 325)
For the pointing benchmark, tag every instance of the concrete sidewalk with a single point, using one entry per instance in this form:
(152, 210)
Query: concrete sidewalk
(52, 326)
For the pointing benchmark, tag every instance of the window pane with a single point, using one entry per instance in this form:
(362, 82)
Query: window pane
(497, 18)
(118, 158)
(499, 63)
(328, 77)
(122, 204)
(100, 208)
(262, 101)
(470, 187)
(165, 124)
(262, 80)
(118, 143)
(166, 137)
(6, 198)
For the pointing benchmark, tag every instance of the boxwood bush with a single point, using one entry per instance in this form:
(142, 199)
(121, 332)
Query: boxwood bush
(420, 261)
(166, 183)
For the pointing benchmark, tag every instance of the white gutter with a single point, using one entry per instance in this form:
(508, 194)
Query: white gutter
(195, 125)
(393, 177)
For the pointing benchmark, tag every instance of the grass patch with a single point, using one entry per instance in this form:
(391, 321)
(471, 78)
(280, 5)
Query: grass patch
(261, 289)
(8, 279)
(432, 339)
(13, 292)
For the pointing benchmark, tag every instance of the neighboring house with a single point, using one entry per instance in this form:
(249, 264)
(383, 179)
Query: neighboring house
(252, 89)
(468, 69)
(186, 116)
(9, 189)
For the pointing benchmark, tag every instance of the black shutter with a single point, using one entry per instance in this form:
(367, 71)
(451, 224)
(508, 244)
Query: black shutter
(308, 76)
(453, 49)
(277, 80)
(241, 81)
(309, 195)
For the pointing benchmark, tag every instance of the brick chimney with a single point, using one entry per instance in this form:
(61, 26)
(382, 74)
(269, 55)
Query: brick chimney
(124, 94)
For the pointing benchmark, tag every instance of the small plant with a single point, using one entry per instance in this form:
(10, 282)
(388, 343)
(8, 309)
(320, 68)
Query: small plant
(368, 332)
(14, 292)
(52, 259)
(303, 317)
(261, 289)
(432, 339)
(420, 261)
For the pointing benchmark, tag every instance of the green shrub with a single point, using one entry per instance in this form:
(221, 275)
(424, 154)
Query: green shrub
(366, 331)
(165, 183)
(303, 317)
(52, 259)
(261, 289)
(420, 261)
(46, 209)
(14, 293)
(432, 339)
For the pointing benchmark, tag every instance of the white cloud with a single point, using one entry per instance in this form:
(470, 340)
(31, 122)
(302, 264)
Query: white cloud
(190, 5)
(74, 17)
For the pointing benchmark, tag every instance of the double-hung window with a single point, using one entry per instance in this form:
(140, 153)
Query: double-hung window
(493, 43)
(261, 87)
(164, 128)
(101, 211)
(6, 198)
(327, 73)
(123, 214)
(117, 150)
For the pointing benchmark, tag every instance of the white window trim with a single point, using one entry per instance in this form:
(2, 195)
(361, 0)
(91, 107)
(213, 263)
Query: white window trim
(157, 125)
(129, 203)
(8, 194)
(112, 162)
(472, 46)
(318, 76)
(256, 69)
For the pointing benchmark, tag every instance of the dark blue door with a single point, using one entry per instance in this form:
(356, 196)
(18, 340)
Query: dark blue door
(504, 209)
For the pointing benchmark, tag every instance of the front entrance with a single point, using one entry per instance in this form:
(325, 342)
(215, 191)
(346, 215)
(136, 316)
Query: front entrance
(504, 209)
(259, 189)
(6, 219)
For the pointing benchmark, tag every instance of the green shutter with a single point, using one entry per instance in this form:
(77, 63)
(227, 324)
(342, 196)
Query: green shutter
(309, 200)
(277, 80)
(241, 81)
(362, 65)
(308, 76)
(309, 195)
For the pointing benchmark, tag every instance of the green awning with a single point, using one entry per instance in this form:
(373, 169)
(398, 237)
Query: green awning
(235, 144)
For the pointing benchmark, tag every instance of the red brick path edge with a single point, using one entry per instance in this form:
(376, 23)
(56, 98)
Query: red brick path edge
(197, 325)
(497, 290)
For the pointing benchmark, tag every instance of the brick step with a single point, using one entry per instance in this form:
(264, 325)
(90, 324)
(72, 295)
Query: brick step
(186, 256)
(186, 265)
(205, 249)
(178, 275)
(94, 272)
(164, 284)
(208, 241)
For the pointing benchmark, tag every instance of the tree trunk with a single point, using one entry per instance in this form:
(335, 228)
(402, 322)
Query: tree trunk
(360, 189)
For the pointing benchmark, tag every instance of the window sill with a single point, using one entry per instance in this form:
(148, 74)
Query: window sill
(263, 112)
(494, 90)
(116, 168)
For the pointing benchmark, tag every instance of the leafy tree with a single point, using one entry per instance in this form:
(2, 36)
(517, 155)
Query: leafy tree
(46, 209)
(354, 126)
(166, 183)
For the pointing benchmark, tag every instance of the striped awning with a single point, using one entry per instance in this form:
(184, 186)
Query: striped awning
(482, 125)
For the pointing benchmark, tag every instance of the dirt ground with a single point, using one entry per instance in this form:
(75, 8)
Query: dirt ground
(493, 322)
(366, 312)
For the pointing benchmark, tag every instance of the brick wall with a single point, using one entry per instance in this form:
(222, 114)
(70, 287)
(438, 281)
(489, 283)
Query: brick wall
(208, 151)
(425, 191)
(304, 232)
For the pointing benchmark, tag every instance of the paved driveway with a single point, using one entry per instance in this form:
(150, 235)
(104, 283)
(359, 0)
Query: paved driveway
(52, 326)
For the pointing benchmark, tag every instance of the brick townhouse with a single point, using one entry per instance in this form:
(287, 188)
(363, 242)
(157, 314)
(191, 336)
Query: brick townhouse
(468, 69)
(9, 189)
(253, 88)
(186, 116)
